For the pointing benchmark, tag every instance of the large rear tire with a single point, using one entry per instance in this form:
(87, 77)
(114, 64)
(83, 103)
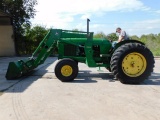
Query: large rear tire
(66, 70)
(132, 63)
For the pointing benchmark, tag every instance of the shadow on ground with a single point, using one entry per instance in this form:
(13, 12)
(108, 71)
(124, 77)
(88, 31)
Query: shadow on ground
(84, 76)
(154, 79)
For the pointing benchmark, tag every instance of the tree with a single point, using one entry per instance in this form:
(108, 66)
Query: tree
(33, 36)
(21, 12)
(100, 35)
(143, 38)
(112, 37)
(134, 37)
(75, 29)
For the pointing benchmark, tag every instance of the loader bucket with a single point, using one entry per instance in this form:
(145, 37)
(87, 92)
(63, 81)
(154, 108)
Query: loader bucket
(17, 69)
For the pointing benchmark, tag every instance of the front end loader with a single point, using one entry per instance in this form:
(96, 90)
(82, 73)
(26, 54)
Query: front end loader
(130, 61)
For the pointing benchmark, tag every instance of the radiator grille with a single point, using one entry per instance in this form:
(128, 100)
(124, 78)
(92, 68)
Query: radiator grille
(70, 50)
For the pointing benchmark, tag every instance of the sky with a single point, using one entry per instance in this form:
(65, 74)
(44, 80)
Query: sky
(136, 17)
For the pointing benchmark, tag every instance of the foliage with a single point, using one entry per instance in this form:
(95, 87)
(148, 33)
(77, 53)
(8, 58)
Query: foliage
(75, 30)
(152, 41)
(134, 37)
(112, 37)
(21, 12)
(33, 36)
(100, 35)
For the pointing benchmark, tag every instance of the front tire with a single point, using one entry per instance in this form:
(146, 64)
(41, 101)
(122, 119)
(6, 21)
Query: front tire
(132, 63)
(66, 70)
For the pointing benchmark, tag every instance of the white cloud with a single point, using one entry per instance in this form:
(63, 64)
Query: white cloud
(61, 12)
(144, 27)
(85, 16)
(132, 28)
(158, 11)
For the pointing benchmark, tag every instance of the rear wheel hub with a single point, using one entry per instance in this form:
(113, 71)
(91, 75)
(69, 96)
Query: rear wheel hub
(134, 64)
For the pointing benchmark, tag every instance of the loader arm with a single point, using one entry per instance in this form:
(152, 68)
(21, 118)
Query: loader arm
(45, 48)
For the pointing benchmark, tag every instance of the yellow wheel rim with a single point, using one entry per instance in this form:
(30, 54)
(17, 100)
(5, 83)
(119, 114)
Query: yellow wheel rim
(66, 70)
(134, 64)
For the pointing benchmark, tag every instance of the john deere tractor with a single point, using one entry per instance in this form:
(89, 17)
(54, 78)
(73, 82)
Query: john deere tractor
(130, 61)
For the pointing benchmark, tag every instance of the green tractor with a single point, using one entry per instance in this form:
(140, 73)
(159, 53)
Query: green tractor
(130, 61)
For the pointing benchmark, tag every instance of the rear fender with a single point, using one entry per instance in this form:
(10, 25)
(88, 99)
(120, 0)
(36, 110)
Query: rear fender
(126, 41)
